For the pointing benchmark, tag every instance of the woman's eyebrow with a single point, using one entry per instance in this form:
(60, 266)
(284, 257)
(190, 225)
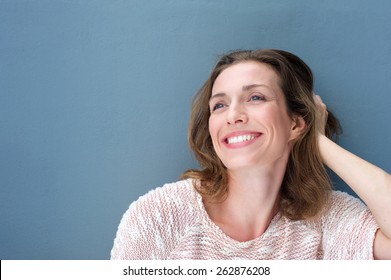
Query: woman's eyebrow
(248, 87)
(221, 94)
(244, 89)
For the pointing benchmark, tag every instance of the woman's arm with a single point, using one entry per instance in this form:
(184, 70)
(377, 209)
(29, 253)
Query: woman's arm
(370, 183)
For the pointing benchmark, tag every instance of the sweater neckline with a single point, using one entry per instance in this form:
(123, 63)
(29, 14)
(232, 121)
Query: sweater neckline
(215, 228)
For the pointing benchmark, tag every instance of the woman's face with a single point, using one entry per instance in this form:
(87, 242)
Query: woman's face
(249, 123)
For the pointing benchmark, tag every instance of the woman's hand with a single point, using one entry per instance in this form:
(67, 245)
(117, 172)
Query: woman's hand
(321, 114)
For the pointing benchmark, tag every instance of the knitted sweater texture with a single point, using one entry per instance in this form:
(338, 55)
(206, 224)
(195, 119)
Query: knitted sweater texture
(171, 222)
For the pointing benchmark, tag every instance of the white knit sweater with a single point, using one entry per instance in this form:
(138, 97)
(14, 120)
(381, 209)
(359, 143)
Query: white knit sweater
(171, 223)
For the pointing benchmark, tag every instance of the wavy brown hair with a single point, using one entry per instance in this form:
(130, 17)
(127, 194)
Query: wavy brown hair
(306, 186)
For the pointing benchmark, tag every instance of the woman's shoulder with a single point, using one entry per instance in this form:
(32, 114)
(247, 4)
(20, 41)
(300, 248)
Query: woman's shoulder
(155, 220)
(345, 206)
(342, 199)
(176, 196)
(171, 192)
(348, 228)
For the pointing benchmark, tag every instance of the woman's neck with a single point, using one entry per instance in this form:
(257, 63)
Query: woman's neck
(251, 203)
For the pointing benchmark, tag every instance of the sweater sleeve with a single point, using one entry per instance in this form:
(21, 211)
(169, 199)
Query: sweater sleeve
(144, 230)
(348, 229)
(153, 224)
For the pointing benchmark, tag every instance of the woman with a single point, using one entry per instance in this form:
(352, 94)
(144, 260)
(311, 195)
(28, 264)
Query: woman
(262, 138)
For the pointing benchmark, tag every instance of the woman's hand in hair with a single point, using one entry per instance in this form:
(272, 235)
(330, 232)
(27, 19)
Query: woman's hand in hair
(321, 114)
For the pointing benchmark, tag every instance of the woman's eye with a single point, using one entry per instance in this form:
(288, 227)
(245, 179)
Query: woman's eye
(217, 106)
(257, 98)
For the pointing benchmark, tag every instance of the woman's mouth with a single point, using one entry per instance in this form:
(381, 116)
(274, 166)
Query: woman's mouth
(240, 138)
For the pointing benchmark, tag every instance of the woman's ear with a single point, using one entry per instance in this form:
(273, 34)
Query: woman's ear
(298, 127)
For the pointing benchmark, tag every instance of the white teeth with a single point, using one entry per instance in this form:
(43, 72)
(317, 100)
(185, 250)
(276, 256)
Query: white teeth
(240, 139)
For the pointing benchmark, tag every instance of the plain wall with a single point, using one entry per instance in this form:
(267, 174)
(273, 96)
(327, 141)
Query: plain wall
(95, 99)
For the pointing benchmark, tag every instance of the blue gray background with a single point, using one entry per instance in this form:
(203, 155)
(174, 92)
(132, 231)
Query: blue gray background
(95, 98)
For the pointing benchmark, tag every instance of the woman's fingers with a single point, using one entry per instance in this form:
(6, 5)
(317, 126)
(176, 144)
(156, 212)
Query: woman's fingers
(321, 113)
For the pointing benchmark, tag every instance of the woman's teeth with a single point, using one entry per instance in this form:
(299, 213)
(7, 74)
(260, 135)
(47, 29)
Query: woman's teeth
(239, 139)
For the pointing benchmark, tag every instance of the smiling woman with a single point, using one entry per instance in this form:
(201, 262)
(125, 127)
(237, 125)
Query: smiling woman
(284, 84)
(262, 139)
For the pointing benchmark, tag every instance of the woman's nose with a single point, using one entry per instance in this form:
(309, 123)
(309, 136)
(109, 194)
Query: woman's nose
(236, 114)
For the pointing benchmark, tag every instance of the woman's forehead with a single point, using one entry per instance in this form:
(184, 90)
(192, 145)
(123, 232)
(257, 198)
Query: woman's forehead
(245, 75)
